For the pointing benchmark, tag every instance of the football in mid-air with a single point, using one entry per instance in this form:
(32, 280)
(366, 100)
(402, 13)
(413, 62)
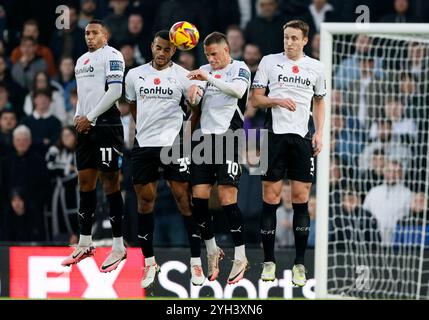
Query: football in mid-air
(184, 35)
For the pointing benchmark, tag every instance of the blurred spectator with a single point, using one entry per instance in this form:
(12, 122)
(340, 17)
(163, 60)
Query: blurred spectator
(284, 228)
(390, 201)
(247, 11)
(266, 30)
(61, 164)
(24, 178)
(385, 141)
(417, 64)
(353, 223)
(69, 42)
(129, 59)
(318, 11)
(401, 13)
(87, 12)
(8, 123)
(412, 97)
(73, 104)
(43, 82)
(254, 117)
(14, 91)
(373, 176)
(409, 229)
(186, 59)
(4, 99)
(365, 94)
(311, 242)
(226, 13)
(128, 123)
(139, 38)
(117, 22)
(66, 80)
(252, 56)
(315, 46)
(403, 129)
(349, 69)
(235, 39)
(45, 128)
(346, 142)
(198, 12)
(31, 29)
(25, 69)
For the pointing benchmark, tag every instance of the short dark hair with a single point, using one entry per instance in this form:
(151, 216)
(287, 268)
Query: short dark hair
(215, 38)
(45, 92)
(4, 111)
(298, 24)
(97, 21)
(163, 34)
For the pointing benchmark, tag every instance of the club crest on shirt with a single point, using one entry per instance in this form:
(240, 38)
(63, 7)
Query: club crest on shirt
(172, 80)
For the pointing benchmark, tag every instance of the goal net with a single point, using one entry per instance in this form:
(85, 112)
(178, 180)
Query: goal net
(372, 184)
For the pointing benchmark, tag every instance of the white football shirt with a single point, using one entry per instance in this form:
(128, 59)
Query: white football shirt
(298, 80)
(158, 94)
(218, 108)
(94, 71)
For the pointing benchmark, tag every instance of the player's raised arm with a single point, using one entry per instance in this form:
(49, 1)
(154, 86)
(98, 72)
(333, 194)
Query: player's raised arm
(217, 53)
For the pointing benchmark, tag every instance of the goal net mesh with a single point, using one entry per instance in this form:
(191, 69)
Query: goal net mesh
(378, 194)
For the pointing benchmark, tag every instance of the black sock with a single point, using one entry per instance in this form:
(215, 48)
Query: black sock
(201, 214)
(87, 204)
(268, 230)
(194, 236)
(301, 229)
(116, 205)
(145, 235)
(233, 213)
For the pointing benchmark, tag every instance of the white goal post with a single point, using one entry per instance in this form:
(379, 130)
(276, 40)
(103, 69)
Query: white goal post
(394, 271)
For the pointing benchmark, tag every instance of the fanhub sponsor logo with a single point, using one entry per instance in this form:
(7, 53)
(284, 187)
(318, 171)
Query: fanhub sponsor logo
(84, 69)
(157, 90)
(295, 79)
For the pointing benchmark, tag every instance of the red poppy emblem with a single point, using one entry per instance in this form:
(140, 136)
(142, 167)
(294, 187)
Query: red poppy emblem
(295, 69)
(217, 76)
(86, 61)
(156, 81)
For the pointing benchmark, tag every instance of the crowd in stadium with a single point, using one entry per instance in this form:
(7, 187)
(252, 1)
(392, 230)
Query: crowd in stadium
(38, 97)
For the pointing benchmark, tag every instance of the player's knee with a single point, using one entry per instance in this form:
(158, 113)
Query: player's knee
(182, 200)
(272, 196)
(201, 193)
(86, 185)
(145, 205)
(110, 183)
(299, 197)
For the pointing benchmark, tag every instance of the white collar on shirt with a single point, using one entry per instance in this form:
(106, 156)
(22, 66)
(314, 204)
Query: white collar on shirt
(38, 116)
